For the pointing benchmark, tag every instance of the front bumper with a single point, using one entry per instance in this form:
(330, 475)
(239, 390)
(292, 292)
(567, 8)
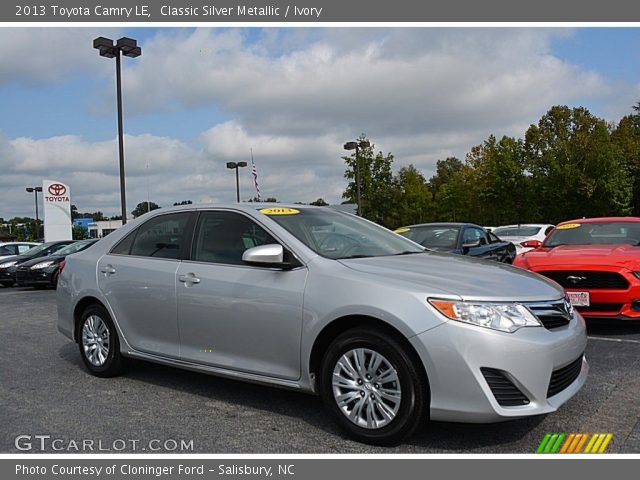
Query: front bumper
(454, 354)
(8, 275)
(27, 277)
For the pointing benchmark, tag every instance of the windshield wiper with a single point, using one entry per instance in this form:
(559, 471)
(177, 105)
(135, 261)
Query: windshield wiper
(353, 256)
(409, 252)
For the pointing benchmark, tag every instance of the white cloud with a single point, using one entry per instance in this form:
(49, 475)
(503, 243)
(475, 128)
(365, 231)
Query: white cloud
(294, 96)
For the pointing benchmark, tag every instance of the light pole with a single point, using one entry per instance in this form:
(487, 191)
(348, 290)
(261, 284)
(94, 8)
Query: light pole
(356, 146)
(35, 191)
(237, 165)
(129, 48)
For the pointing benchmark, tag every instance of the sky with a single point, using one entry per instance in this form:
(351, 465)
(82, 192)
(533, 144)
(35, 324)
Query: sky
(198, 98)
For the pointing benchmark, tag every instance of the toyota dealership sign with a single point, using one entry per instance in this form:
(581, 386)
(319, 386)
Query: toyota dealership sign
(57, 210)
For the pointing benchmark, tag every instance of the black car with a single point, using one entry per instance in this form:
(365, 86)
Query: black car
(44, 271)
(9, 265)
(461, 238)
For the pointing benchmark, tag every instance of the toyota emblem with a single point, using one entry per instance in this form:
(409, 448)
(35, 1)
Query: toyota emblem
(57, 189)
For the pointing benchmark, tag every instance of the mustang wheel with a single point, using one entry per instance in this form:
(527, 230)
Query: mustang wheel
(370, 384)
(99, 345)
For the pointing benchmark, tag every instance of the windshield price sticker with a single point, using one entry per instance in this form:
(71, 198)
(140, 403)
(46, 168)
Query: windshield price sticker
(568, 226)
(279, 211)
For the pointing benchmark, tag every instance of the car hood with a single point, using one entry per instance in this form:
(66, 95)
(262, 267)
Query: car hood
(468, 278)
(620, 255)
(34, 261)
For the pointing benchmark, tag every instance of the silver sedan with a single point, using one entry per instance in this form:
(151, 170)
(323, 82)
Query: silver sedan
(323, 301)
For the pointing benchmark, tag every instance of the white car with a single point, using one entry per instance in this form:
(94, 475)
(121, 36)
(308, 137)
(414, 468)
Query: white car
(519, 234)
(9, 249)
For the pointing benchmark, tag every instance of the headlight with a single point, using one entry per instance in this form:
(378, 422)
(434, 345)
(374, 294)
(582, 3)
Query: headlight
(506, 317)
(40, 265)
(8, 264)
(568, 305)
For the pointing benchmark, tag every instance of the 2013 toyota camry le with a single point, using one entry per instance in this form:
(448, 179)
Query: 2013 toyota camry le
(322, 301)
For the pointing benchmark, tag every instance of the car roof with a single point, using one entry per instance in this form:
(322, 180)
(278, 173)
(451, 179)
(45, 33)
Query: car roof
(602, 219)
(525, 225)
(20, 243)
(444, 224)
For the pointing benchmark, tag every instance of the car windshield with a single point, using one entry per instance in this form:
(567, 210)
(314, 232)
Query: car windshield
(32, 252)
(595, 233)
(517, 231)
(337, 235)
(74, 248)
(433, 236)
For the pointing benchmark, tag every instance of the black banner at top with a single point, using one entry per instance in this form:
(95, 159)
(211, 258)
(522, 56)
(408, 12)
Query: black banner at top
(318, 11)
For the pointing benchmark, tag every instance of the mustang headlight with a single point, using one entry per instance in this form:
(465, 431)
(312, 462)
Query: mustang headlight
(506, 317)
(8, 264)
(40, 265)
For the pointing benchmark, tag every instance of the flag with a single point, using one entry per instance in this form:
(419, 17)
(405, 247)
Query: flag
(254, 172)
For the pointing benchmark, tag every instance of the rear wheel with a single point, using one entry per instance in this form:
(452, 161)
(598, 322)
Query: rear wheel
(370, 384)
(99, 344)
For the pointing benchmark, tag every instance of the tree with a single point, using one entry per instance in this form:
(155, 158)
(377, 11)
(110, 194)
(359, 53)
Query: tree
(445, 171)
(183, 202)
(79, 233)
(143, 207)
(319, 203)
(414, 203)
(376, 183)
(626, 138)
(574, 166)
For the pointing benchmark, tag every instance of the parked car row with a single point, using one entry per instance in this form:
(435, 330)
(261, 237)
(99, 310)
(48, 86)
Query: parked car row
(40, 265)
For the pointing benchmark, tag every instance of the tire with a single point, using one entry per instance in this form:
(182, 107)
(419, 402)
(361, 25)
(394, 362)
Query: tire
(408, 404)
(7, 284)
(97, 330)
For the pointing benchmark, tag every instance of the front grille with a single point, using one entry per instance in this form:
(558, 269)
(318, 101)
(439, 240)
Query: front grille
(587, 279)
(563, 377)
(601, 307)
(505, 392)
(551, 315)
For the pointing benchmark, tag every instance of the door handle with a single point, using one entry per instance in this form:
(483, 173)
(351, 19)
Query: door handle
(189, 278)
(108, 270)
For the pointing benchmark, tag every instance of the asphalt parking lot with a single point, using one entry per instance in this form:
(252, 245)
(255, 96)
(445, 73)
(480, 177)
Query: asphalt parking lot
(45, 390)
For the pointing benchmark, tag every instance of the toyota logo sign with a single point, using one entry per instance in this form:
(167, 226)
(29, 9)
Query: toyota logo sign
(57, 189)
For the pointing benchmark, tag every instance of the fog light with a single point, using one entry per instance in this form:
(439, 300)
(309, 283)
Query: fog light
(635, 305)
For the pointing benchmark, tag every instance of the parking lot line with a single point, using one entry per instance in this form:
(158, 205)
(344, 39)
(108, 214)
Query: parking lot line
(620, 340)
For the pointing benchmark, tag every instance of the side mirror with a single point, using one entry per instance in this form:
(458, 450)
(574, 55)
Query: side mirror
(467, 246)
(531, 244)
(271, 255)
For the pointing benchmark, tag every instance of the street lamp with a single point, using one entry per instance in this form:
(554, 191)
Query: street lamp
(129, 48)
(237, 165)
(35, 191)
(356, 146)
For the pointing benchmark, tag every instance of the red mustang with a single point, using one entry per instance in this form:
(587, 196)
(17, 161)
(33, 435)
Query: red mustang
(596, 260)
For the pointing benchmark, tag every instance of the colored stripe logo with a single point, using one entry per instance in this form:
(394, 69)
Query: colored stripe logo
(574, 443)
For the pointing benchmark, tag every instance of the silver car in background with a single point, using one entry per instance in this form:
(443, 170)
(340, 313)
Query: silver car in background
(323, 301)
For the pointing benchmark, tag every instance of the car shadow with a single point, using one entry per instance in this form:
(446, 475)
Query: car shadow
(434, 436)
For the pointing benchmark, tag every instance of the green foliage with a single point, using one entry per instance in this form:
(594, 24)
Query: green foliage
(79, 233)
(183, 202)
(141, 209)
(319, 203)
(571, 164)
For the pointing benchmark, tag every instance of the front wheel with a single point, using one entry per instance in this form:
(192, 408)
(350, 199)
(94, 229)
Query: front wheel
(6, 284)
(370, 384)
(98, 342)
